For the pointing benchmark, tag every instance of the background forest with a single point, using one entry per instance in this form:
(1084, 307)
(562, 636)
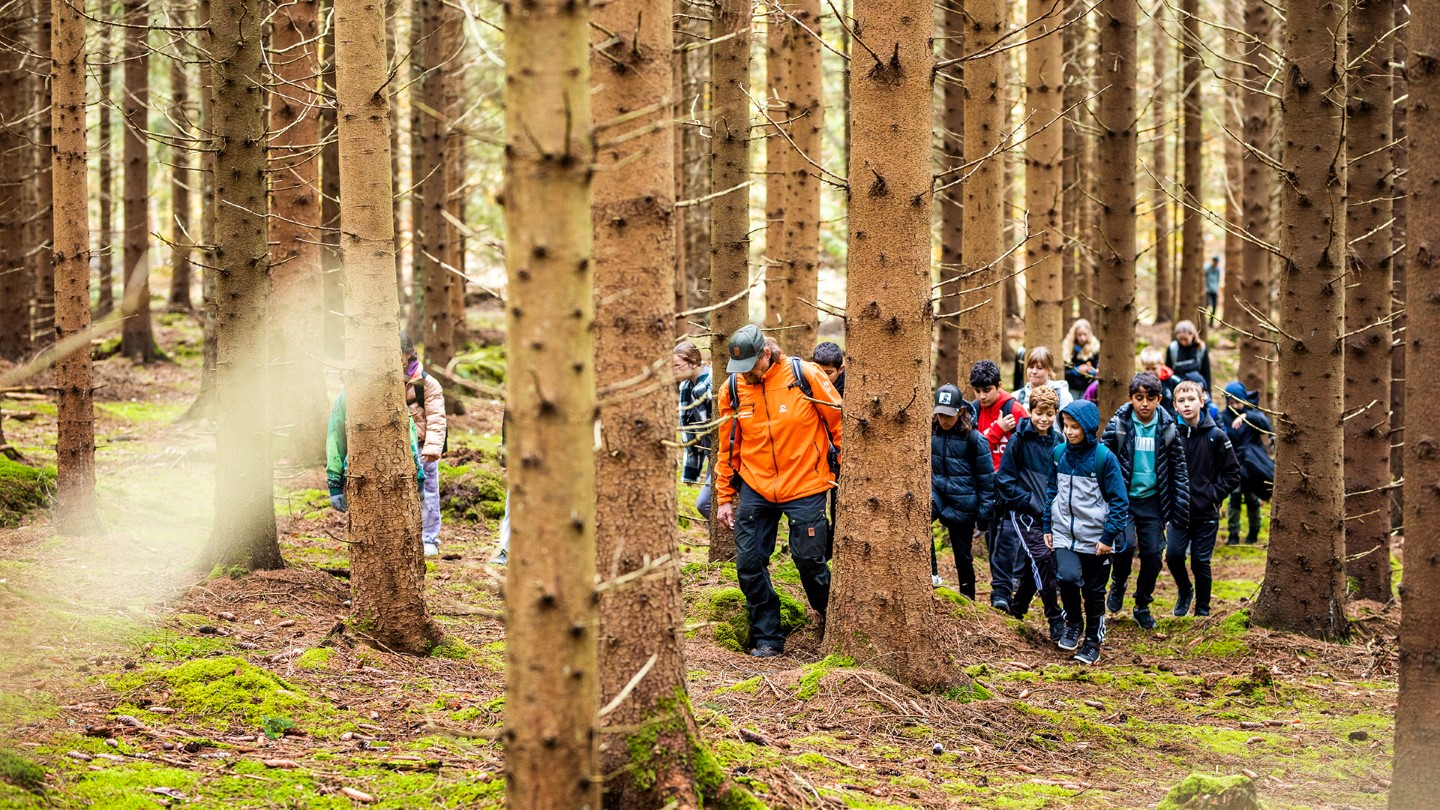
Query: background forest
(216, 217)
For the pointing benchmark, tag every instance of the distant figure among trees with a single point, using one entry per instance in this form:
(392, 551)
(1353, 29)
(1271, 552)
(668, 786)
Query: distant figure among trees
(1188, 356)
(1081, 349)
(695, 389)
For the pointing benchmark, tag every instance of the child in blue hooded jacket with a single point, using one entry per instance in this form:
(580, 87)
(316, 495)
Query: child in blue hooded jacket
(962, 482)
(1084, 524)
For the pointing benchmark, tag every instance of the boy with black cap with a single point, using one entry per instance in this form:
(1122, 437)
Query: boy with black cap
(1249, 430)
(962, 482)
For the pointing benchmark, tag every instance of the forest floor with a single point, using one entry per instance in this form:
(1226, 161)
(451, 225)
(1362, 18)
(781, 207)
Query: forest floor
(129, 680)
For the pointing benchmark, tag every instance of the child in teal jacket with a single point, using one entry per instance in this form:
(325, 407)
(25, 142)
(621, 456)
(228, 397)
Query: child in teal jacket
(337, 454)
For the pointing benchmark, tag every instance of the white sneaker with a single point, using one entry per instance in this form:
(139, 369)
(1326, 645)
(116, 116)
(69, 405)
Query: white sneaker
(500, 559)
(936, 581)
(432, 549)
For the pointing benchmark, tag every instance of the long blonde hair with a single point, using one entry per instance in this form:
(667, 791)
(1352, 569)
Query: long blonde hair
(1091, 350)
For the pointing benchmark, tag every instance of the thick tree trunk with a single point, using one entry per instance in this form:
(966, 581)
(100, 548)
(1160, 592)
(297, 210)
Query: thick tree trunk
(14, 292)
(730, 210)
(1116, 158)
(75, 419)
(1192, 221)
(1231, 292)
(1417, 711)
(420, 11)
(806, 114)
(1044, 195)
(1304, 588)
(635, 499)
(550, 605)
(330, 266)
(442, 32)
(387, 577)
(244, 534)
(678, 86)
(982, 268)
(882, 610)
(950, 196)
(105, 255)
(1259, 182)
(137, 340)
(204, 400)
(42, 221)
(296, 292)
(1400, 210)
(778, 35)
(1160, 45)
(695, 170)
(1367, 300)
(180, 236)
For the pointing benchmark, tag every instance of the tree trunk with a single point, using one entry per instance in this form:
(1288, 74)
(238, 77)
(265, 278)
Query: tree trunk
(696, 168)
(1116, 158)
(550, 614)
(244, 534)
(202, 406)
(14, 297)
(1400, 211)
(1367, 300)
(777, 90)
(1259, 180)
(883, 613)
(137, 340)
(1078, 207)
(455, 194)
(678, 86)
(1044, 195)
(1160, 45)
(330, 267)
(1234, 168)
(39, 250)
(419, 12)
(442, 33)
(950, 196)
(105, 302)
(635, 499)
(297, 291)
(730, 210)
(1192, 221)
(806, 114)
(982, 266)
(1417, 711)
(75, 418)
(387, 575)
(180, 236)
(1304, 589)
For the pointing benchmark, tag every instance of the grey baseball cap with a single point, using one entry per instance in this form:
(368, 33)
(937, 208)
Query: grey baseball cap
(745, 346)
(948, 400)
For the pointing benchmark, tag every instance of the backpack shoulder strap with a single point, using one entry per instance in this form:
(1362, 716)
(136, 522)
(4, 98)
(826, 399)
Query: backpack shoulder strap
(800, 381)
(734, 387)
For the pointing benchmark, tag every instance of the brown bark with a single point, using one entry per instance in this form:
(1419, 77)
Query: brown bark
(550, 604)
(296, 291)
(1417, 711)
(1116, 158)
(678, 86)
(202, 406)
(1400, 211)
(882, 610)
(415, 320)
(1304, 588)
(982, 268)
(1259, 182)
(1044, 195)
(330, 267)
(1367, 300)
(180, 178)
(1192, 222)
(14, 292)
(42, 223)
(105, 301)
(442, 36)
(635, 498)
(1076, 173)
(1231, 290)
(730, 211)
(455, 195)
(75, 417)
(806, 114)
(950, 197)
(778, 36)
(137, 340)
(1160, 45)
(387, 579)
(244, 534)
(695, 169)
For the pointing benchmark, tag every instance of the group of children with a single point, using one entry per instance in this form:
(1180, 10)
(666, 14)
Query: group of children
(1065, 507)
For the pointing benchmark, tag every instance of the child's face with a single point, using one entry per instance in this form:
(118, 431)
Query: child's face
(833, 372)
(947, 422)
(1082, 336)
(1145, 404)
(1236, 405)
(987, 395)
(1188, 404)
(1185, 338)
(1074, 434)
(1043, 418)
(683, 369)
(1037, 375)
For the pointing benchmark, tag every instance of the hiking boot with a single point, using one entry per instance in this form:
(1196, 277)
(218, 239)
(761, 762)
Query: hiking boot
(1090, 653)
(766, 651)
(1252, 538)
(1144, 619)
(1182, 603)
(1057, 629)
(1116, 600)
(1001, 604)
(1069, 638)
(1202, 611)
(936, 581)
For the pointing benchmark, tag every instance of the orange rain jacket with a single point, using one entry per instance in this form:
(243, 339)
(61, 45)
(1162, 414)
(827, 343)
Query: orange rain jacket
(782, 442)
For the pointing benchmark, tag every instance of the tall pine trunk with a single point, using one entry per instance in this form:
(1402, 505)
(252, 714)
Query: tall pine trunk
(181, 238)
(1259, 182)
(14, 292)
(75, 417)
(730, 208)
(882, 610)
(387, 575)
(777, 90)
(442, 32)
(137, 340)
(1230, 292)
(982, 268)
(951, 195)
(1115, 279)
(695, 169)
(42, 222)
(550, 605)
(1160, 45)
(105, 254)
(1192, 221)
(1367, 300)
(330, 266)
(1304, 589)
(1400, 210)
(297, 292)
(244, 534)
(806, 113)
(1417, 710)
(1044, 195)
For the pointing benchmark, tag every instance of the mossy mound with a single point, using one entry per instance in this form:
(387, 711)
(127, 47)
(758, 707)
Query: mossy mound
(21, 772)
(228, 688)
(22, 490)
(1212, 793)
(725, 608)
(471, 492)
(483, 364)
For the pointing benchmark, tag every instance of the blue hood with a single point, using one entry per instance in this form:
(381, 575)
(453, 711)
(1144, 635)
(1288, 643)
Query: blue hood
(1236, 390)
(1087, 415)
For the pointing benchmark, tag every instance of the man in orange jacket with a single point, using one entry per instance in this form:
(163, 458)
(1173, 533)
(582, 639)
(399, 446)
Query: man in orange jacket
(775, 459)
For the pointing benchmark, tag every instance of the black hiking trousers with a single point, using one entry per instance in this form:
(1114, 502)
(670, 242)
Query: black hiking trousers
(1082, 579)
(756, 523)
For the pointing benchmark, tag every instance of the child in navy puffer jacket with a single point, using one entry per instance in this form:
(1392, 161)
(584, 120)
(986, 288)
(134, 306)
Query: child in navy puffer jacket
(1020, 495)
(962, 482)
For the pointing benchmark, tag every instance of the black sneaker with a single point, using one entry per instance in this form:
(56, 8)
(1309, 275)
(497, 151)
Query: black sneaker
(1069, 638)
(1202, 611)
(1182, 603)
(1252, 538)
(1057, 629)
(1144, 619)
(1001, 604)
(764, 651)
(1090, 653)
(1116, 600)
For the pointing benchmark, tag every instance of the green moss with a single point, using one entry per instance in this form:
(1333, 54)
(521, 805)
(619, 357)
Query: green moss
(749, 686)
(142, 412)
(486, 365)
(471, 492)
(653, 746)
(725, 609)
(315, 658)
(452, 647)
(1200, 790)
(969, 693)
(809, 685)
(229, 689)
(21, 772)
(965, 608)
(23, 490)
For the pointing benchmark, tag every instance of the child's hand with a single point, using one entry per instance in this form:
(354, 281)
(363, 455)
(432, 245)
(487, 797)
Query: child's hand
(429, 458)
(1102, 549)
(1007, 422)
(1050, 541)
(1239, 420)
